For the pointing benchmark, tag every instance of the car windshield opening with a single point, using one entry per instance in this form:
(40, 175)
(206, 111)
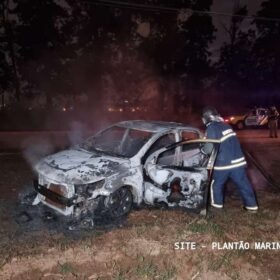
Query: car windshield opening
(118, 141)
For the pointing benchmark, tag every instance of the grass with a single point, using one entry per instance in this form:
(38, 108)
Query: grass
(86, 241)
(119, 276)
(224, 260)
(168, 274)
(2, 263)
(97, 233)
(66, 268)
(146, 270)
(141, 229)
(208, 227)
(64, 243)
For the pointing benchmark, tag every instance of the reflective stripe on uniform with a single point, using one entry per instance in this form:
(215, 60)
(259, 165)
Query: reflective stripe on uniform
(211, 192)
(217, 205)
(227, 136)
(212, 197)
(264, 121)
(238, 160)
(252, 207)
(225, 132)
(230, 166)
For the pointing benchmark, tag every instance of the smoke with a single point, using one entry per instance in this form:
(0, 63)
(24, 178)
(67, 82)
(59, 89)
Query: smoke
(43, 143)
(35, 149)
(78, 132)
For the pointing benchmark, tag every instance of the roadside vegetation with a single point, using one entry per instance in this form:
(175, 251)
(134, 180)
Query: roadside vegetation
(143, 246)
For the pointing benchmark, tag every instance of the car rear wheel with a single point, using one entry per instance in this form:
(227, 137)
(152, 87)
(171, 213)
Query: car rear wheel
(119, 203)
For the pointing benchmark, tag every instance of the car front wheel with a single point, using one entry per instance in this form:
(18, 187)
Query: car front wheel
(240, 125)
(119, 203)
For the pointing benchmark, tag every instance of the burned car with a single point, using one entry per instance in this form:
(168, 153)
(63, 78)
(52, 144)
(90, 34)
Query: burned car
(131, 162)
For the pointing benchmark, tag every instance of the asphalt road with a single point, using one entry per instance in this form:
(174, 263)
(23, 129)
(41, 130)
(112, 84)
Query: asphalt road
(257, 136)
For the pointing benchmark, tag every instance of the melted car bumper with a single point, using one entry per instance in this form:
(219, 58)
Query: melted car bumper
(54, 196)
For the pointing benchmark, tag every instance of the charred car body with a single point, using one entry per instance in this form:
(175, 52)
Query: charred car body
(129, 162)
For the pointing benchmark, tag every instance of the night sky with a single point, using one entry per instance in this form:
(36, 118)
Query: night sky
(227, 6)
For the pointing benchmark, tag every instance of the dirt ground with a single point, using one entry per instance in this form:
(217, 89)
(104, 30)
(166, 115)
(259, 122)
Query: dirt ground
(144, 245)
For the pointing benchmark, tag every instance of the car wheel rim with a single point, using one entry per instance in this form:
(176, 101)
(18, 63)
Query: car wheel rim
(120, 202)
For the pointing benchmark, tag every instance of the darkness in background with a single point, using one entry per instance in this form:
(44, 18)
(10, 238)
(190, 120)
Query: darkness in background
(74, 60)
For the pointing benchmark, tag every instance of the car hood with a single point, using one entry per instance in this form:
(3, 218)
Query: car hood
(80, 167)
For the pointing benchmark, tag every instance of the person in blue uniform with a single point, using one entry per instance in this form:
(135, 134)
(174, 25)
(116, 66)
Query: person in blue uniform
(273, 117)
(230, 162)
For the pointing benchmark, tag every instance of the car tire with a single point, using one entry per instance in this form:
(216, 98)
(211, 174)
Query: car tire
(240, 125)
(119, 203)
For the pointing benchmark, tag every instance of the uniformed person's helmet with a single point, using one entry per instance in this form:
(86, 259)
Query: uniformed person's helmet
(209, 114)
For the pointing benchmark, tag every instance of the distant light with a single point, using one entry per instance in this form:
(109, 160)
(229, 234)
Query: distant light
(226, 120)
(126, 101)
(133, 110)
(64, 109)
(110, 109)
(231, 118)
(121, 109)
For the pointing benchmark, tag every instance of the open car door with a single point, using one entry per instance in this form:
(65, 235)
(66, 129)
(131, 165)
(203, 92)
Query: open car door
(179, 175)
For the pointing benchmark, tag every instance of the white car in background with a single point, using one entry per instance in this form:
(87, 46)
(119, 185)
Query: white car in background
(257, 117)
(156, 163)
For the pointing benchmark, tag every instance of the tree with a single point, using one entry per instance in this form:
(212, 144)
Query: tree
(174, 45)
(236, 67)
(266, 48)
(5, 72)
(41, 40)
(71, 46)
(9, 71)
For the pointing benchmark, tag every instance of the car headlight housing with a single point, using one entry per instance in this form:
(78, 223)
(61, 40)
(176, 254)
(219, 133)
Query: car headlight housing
(95, 186)
(89, 188)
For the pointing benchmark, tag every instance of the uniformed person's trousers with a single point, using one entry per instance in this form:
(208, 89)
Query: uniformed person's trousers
(239, 177)
(273, 126)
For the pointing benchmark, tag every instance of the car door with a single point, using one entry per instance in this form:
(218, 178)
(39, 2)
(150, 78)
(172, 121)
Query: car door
(252, 119)
(181, 180)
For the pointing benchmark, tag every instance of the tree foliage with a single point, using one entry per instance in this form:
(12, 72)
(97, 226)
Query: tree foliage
(233, 71)
(71, 47)
(266, 49)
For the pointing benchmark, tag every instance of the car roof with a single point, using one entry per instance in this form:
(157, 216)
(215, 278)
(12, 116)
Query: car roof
(155, 126)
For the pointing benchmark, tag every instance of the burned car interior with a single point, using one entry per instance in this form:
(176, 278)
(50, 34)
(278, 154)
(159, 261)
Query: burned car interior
(181, 172)
(120, 141)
